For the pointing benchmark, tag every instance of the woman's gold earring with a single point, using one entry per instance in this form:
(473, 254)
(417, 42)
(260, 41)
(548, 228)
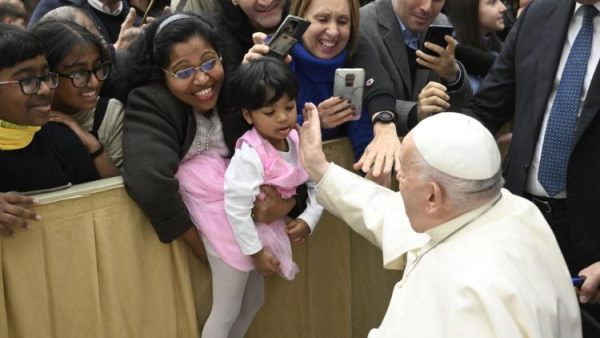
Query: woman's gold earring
(234, 2)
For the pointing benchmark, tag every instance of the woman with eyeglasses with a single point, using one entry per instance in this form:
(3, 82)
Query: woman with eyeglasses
(35, 155)
(82, 63)
(176, 112)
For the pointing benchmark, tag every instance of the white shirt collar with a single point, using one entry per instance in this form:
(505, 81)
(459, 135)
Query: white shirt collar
(98, 5)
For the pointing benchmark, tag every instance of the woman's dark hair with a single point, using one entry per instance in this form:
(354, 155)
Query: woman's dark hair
(17, 45)
(60, 38)
(149, 53)
(260, 83)
(464, 15)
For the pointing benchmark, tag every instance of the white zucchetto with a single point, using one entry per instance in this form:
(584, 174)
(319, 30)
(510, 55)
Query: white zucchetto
(457, 145)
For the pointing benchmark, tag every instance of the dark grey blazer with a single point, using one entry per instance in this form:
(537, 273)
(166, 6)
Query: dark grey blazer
(379, 24)
(518, 87)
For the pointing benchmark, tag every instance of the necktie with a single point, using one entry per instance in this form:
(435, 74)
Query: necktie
(562, 121)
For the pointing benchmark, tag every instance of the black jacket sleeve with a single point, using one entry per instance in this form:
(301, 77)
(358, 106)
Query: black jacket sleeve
(156, 128)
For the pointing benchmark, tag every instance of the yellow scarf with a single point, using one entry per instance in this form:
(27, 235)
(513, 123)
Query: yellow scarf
(14, 136)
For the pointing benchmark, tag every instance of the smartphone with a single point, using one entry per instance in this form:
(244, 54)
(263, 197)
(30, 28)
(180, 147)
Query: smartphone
(287, 34)
(349, 83)
(435, 34)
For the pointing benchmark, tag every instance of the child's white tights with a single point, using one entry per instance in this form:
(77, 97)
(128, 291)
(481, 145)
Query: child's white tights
(237, 296)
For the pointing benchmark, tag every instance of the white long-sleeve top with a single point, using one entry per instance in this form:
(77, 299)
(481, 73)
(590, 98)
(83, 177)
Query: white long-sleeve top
(243, 178)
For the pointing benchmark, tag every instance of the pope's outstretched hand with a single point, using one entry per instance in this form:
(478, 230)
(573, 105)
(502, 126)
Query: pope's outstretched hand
(311, 151)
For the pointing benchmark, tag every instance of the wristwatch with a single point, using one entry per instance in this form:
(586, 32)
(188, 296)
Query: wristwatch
(385, 117)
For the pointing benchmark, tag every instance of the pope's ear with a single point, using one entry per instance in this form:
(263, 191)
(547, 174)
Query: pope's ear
(435, 198)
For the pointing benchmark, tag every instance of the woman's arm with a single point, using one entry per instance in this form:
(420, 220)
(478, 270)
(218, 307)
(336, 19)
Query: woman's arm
(380, 155)
(155, 127)
(104, 165)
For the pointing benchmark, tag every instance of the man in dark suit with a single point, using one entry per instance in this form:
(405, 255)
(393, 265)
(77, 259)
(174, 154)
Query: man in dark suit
(397, 29)
(559, 174)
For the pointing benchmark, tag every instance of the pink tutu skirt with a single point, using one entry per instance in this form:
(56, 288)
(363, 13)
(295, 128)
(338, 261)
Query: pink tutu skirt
(201, 184)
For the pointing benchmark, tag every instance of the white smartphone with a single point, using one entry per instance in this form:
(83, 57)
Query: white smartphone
(349, 83)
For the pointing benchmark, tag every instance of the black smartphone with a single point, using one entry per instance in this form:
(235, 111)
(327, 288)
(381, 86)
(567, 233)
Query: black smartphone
(288, 33)
(435, 34)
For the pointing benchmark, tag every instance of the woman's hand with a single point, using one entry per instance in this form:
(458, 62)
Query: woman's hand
(266, 263)
(272, 206)
(335, 111)
(445, 64)
(194, 242)
(90, 142)
(382, 153)
(432, 99)
(103, 163)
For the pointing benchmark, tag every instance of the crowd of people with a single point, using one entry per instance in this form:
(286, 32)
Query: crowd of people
(188, 104)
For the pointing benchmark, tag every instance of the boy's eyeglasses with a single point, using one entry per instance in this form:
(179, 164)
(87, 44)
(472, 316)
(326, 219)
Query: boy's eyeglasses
(204, 67)
(80, 78)
(31, 85)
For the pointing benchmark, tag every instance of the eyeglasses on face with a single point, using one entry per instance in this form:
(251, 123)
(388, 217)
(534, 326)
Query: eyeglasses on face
(204, 67)
(82, 77)
(31, 85)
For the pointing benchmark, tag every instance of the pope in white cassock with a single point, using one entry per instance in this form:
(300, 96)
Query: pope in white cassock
(478, 261)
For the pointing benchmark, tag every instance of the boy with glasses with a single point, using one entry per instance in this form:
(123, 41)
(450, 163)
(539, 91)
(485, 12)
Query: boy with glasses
(35, 155)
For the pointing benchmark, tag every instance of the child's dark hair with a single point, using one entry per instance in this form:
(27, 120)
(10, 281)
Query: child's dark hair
(60, 37)
(17, 45)
(260, 83)
(150, 52)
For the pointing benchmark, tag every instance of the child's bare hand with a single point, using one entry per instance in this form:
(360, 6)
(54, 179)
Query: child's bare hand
(266, 263)
(297, 230)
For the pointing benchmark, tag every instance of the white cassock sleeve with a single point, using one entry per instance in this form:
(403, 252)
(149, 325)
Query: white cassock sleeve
(375, 212)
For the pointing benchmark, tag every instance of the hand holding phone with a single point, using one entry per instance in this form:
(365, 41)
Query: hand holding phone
(349, 84)
(288, 33)
(436, 35)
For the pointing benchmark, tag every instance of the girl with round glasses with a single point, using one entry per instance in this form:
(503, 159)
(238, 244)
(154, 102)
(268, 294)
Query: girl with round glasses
(173, 114)
(34, 155)
(82, 63)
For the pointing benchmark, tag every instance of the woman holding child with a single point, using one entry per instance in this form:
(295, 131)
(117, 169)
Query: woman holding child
(174, 114)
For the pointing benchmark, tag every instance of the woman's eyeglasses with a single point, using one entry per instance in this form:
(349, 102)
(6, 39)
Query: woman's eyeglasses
(80, 78)
(204, 67)
(31, 85)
